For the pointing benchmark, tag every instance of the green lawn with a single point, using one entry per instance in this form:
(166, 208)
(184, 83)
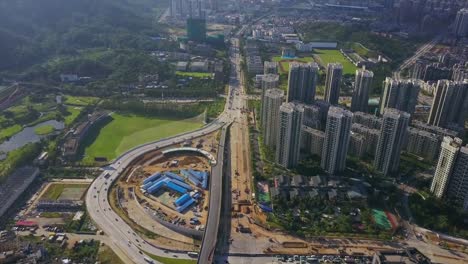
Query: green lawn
(54, 191)
(73, 111)
(333, 56)
(126, 131)
(195, 74)
(9, 131)
(107, 256)
(284, 63)
(80, 100)
(44, 130)
(164, 260)
(51, 215)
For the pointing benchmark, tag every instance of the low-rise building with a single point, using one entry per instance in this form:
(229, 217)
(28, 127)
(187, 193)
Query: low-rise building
(312, 140)
(199, 66)
(181, 66)
(423, 144)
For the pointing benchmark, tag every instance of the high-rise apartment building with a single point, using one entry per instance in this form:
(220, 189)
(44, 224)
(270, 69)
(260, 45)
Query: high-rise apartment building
(270, 115)
(447, 158)
(450, 104)
(269, 81)
(302, 82)
(400, 94)
(289, 134)
(333, 83)
(337, 134)
(461, 23)
(458, 184)
(362, 86)
(392, 137)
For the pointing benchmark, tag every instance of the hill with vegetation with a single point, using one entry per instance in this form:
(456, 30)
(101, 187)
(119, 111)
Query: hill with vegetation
(34, 32)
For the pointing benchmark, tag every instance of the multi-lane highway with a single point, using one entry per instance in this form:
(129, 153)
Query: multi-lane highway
(212, 223)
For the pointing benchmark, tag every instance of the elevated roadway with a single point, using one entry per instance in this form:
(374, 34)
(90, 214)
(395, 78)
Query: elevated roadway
(212, 224)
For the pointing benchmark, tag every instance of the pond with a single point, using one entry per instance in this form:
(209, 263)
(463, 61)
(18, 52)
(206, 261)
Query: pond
(28, 135)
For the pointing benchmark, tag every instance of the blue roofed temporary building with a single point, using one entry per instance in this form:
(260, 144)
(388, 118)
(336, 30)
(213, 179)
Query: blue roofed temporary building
(155, 187)
(197, 174)
(152, 178)
(194, 180)
(147, 185)
(173, 176)
(174, 187)
(181, 200)
(185, 173)
(181, 184)
(183, 207)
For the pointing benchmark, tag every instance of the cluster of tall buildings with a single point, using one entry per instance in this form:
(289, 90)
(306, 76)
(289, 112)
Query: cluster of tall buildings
(432, 15)
(298, 122)
(450, 105)
(191, 8)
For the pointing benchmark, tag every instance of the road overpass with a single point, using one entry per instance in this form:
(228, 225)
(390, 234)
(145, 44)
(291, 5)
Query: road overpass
(212, 224)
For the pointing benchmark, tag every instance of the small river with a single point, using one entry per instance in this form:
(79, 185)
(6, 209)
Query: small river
(27, 135)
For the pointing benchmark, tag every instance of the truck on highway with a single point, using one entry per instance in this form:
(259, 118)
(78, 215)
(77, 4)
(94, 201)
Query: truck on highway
(148, 260)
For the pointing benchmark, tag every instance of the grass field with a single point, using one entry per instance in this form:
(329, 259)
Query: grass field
(126, 131)
(80, 100)
(284, 63)
(195, 74)
(61, 190)
(9, 131)
(332, 56)
(164, 260)
(74, 112)
(107, 256)
(44, 130)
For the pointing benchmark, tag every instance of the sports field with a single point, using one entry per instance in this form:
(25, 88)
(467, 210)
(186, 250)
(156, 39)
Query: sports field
(195, 74)
(124, 132)
(284, 63)
(62, 191)
(333, 56)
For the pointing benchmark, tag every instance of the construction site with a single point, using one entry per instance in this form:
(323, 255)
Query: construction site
(166, 191)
